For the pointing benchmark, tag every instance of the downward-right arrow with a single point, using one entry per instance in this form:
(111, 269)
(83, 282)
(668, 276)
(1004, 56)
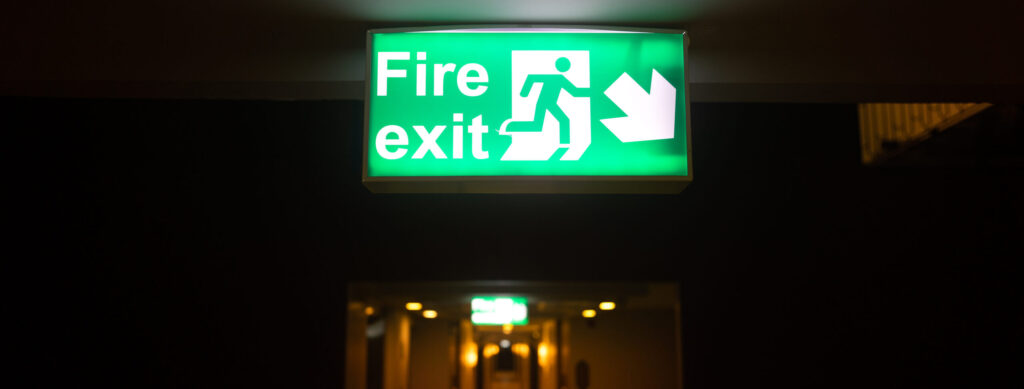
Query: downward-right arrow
(649, 116)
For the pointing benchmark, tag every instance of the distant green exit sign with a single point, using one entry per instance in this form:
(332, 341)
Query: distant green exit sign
(509, 110)
(496, 310)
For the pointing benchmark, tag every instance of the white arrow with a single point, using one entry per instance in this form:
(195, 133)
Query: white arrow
(649, 116)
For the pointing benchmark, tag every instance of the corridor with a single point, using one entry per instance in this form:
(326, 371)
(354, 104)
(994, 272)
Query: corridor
(513, 335)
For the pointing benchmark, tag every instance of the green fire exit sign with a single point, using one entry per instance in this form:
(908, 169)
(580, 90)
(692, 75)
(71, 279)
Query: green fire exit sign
(497, 310)
(526, 110)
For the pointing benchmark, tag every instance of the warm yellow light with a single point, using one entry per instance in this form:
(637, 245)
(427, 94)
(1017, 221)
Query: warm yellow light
(430, 314)
(588, 313)
(606, 305)
(507, 328)
(521, 349)
(469, 358)
(469, 355)
(491, 350)
(413, 306)
(368, 311)
(542, 354)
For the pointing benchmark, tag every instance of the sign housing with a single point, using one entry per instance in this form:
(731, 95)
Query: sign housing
(526, 110)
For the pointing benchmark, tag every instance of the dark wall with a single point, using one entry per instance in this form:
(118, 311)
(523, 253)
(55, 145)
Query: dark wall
(208, 243)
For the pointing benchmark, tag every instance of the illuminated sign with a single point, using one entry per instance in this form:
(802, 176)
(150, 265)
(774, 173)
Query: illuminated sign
(526, 110)
(499, 310)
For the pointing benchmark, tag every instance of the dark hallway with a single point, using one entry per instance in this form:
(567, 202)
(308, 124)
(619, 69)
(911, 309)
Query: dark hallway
(201, 243)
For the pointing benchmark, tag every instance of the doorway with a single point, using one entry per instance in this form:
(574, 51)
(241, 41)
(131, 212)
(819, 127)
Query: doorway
(512, 335)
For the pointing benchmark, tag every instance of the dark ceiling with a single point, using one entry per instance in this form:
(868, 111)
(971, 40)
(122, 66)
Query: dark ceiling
(742, 50)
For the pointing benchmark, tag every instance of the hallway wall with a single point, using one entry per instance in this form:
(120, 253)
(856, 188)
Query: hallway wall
(428, 359)
(625, 349)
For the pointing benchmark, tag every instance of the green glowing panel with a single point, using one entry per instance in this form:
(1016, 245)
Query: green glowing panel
(506, 103)
(492, 310)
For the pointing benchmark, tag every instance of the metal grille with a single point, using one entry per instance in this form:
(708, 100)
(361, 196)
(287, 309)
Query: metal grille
(885, 128)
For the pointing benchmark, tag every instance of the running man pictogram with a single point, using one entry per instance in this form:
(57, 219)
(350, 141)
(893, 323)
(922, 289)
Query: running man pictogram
(551, 86)
(553, 115)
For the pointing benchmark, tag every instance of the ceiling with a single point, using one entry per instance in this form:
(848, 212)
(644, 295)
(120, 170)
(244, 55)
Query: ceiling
(545, 298)
(741, 50)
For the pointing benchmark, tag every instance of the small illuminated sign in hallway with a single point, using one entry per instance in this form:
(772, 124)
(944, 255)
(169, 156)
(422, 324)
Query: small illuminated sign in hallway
(513, 335)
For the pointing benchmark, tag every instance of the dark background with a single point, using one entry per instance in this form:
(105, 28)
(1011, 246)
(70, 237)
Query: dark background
(201, 243)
